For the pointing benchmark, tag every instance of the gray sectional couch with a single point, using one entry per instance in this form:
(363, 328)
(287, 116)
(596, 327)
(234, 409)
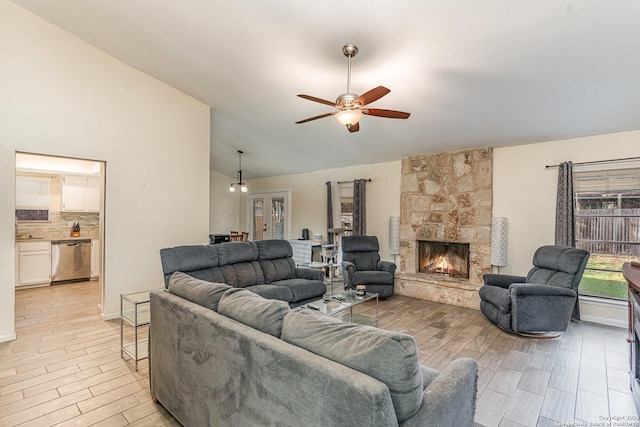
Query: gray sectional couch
(265, 267)
(228, 357)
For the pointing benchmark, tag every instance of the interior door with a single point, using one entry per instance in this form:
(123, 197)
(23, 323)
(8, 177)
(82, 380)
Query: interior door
(269, 215)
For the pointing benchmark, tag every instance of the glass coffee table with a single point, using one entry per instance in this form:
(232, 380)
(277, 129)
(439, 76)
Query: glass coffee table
(346, 301)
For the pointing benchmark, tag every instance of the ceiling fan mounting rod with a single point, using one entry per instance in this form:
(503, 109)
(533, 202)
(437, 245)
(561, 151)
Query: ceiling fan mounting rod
(349, 50)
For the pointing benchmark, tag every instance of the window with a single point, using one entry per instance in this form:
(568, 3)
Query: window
(607, 224)
(32, 198)
(346, 207)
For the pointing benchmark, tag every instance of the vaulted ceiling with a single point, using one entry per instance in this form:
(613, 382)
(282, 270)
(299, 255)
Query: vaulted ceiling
(471, 73)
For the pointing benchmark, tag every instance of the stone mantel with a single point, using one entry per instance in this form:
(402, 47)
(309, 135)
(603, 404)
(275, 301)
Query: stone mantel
(446, 197)
(446, 290)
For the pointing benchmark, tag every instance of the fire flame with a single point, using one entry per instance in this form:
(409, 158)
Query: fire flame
(442, 265)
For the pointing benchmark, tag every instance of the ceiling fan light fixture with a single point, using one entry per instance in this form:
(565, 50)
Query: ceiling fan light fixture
(232, 188)
(348, 117)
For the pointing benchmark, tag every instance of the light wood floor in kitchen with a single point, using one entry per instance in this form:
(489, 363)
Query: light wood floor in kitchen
(65, 367)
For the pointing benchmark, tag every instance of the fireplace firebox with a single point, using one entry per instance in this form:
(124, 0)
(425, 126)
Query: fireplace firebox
(444, 258)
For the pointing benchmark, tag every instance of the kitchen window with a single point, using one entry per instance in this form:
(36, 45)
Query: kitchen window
(32, 198)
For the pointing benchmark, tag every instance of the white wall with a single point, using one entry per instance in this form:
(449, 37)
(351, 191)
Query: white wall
(524, 191)
(309, 198)
(223, 205)
(61, 96)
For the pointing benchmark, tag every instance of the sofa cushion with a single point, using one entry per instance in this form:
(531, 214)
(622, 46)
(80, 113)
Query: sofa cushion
(390, 357)
(366, 261)
(213, 274)
(497, 296)
(265, 315)
(274, 249)
(302, 289)
(282, 293)
(242, 274)
(372, 278)
(278, 269)
(234, 252)
(206, 294)
(187, 258)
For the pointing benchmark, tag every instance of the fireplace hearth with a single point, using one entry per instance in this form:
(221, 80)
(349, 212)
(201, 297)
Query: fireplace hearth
(444, 258)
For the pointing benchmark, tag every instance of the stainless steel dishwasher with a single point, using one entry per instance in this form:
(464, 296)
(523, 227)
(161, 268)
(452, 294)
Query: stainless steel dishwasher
(70, 260)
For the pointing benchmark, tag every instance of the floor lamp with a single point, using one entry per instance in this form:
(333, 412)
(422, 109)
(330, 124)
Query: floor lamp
(394, 236)
(499, 241)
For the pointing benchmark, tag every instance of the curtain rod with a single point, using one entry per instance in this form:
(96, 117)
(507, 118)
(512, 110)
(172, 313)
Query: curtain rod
(349, 182)
(597, 161)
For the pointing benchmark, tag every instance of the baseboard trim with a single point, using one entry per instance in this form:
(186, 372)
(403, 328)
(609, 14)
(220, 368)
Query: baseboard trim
(604, 312)
(110, 316)
(8, 337)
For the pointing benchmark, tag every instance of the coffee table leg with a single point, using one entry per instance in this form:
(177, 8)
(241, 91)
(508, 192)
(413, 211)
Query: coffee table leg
(376, 310)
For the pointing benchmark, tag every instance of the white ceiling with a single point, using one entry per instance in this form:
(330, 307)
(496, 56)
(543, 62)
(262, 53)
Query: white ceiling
(470, 72)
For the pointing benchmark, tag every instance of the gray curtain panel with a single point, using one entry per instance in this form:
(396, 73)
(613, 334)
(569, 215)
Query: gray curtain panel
(329, 213)
(360, 207)
(565, 230)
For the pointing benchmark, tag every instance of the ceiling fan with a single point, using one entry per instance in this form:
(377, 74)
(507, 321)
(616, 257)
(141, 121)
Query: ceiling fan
(353, 106)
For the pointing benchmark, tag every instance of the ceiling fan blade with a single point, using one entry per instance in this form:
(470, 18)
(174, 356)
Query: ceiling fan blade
(314, 99)
(354, 127)
(315, 118)
(390, 114)
(373, 95)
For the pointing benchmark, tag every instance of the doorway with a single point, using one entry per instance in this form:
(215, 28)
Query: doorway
(66, 205)
(269, 215)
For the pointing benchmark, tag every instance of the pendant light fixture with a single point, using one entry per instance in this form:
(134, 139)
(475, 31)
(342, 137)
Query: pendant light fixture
(240, 183)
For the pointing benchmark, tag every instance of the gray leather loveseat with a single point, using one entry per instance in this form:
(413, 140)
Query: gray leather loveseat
(265, 267)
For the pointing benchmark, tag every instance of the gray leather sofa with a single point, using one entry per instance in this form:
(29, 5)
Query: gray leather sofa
(256, 362)
(265, 267)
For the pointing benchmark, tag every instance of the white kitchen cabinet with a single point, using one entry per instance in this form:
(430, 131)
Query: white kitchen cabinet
(92, 194)
(95, 259)
(34, 263)
(80, 193)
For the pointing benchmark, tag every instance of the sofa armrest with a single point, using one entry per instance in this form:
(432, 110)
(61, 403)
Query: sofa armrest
(309, 273)
(348, 269)
(387, 266)
(502, 280)
(541, 308)
(450, 400)
(522, 289)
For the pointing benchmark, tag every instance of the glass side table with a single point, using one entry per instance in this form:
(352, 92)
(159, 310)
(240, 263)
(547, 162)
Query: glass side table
(134, 311)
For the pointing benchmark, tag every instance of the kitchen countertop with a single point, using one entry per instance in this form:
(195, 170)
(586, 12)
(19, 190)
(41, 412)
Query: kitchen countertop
(50, 239)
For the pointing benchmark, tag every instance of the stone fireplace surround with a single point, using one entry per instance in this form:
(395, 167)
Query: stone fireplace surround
(446, 197)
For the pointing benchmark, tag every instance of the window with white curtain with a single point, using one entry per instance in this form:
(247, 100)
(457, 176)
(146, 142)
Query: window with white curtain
(33, 197)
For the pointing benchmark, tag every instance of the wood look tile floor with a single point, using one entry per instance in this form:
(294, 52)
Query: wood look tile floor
(65, 367)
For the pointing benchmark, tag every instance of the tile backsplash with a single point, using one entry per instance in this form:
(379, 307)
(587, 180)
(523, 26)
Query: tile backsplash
(57, 227)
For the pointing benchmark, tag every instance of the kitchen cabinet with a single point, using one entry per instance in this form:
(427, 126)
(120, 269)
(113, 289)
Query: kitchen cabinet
(80, 193)
(34, 263)
(95, 258)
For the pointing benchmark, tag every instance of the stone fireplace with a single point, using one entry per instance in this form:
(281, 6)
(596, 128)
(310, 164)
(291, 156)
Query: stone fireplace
(446, 199)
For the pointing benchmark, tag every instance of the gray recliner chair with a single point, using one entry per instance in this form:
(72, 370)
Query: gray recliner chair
(540, 304)
(361, 265)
